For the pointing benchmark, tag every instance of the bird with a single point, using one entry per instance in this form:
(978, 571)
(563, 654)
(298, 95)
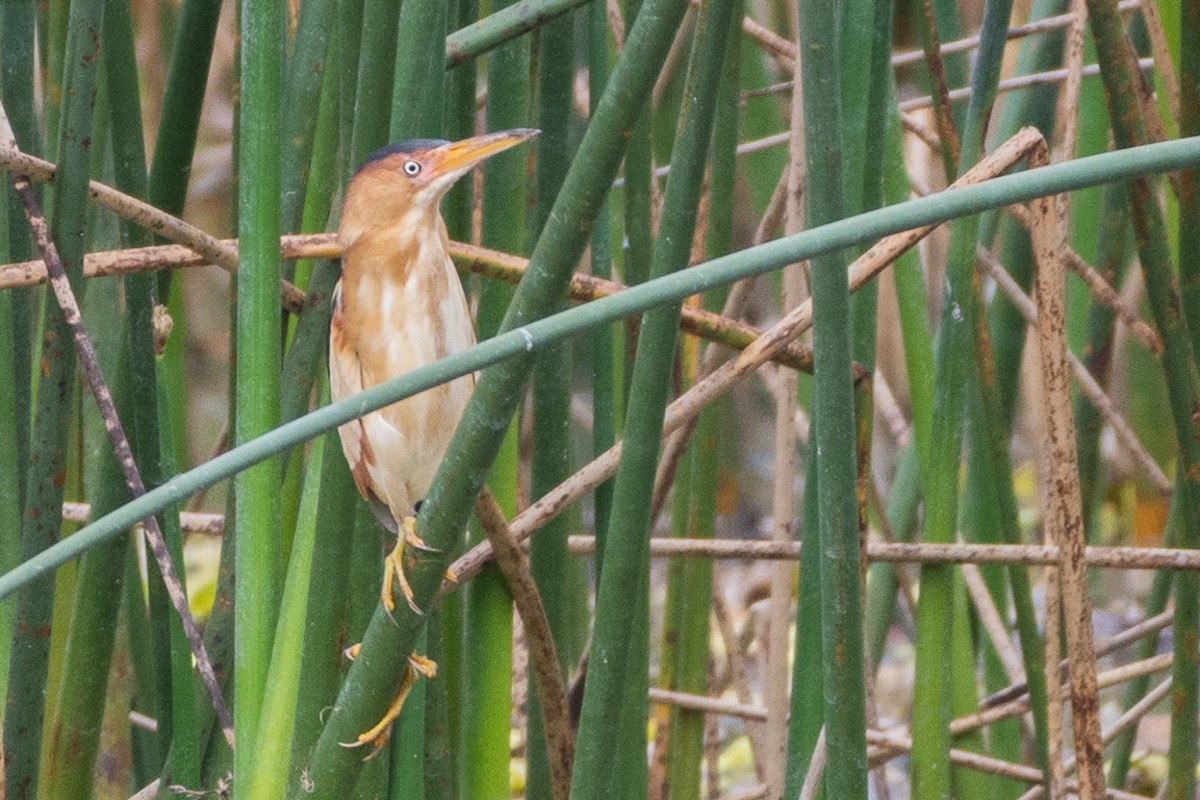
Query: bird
(399, 305)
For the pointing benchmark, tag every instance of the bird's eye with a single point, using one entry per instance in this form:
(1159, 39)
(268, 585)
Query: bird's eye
(412, 168)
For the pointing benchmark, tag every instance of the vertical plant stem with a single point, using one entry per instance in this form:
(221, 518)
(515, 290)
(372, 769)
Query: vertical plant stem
(326, 618)
(460, 123)
(487, 673)
(626, 554)
(376, 59)
(1185, 695)
(44, 492)
(439, 766)
(551, 388)
(174, 708)
(807, 719)
(281, 701)
(16, 86)
(257, 377)
(307, 67)
(10, 458)
(458, 212)
(417, 97)
(179, 119)
(606, 346)
(1118, 71)
(639, 233)
(841, 604)
(958, 344)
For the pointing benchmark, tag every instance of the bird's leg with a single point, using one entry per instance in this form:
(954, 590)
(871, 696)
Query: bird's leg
(379, 734)
(393, 566)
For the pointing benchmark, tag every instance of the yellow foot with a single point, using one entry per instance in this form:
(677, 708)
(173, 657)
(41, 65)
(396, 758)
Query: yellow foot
(393, 566)
(379, 735)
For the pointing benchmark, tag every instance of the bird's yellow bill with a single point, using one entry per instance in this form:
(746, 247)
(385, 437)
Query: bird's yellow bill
(463, 155)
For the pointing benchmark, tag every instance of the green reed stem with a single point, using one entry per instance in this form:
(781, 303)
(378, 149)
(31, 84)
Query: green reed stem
(257, 377)
(1118, 71)
(626, 556)
(48, 456)
(551, 463)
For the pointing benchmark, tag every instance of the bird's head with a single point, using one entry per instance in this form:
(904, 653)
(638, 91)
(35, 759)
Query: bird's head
(412, 176)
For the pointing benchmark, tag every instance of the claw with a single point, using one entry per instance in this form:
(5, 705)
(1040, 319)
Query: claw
(409, 527)
(393, 568)
(381, 732)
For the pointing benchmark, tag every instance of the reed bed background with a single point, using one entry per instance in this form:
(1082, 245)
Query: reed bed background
(806, 513)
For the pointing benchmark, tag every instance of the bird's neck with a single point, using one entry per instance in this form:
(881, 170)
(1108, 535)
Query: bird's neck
(386, 267)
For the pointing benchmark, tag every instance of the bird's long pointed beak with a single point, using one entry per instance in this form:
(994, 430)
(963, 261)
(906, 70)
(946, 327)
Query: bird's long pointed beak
(457, 157)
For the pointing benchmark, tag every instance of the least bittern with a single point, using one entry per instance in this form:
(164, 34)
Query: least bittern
(399, 306)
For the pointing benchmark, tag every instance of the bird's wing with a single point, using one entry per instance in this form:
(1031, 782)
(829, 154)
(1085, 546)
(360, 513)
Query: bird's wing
(345, 379)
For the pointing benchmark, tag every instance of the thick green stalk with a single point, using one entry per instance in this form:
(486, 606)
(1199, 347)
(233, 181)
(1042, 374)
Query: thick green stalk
(551, 387)
(900, 512)
(460, 123)
(407, 767)
(182, 103)
(306, 70)
(474, 38)
(185, 724)
(605, 346)
(16, 87)
(349, 38)
(1184, 724)
(173, 661)
(808, 699)
(1189, 198)
(281, 699)
(1118, 71)
(698, 477)
(373, 88)
(16, 307)
(504, 176)
(958, 336)
(417, 96)
(639, 234)
(310, 330)
(326, 618)
(458, 212)
(76, 704)
(257, 379)
(10, 460)
(626, 553)
(439, 767)
(527, 334)
(74, 736)
(44, 487)
(677, 780)
(175, 142)
(691, 664)
(52, 26)
(841, 603)
(487, 630)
